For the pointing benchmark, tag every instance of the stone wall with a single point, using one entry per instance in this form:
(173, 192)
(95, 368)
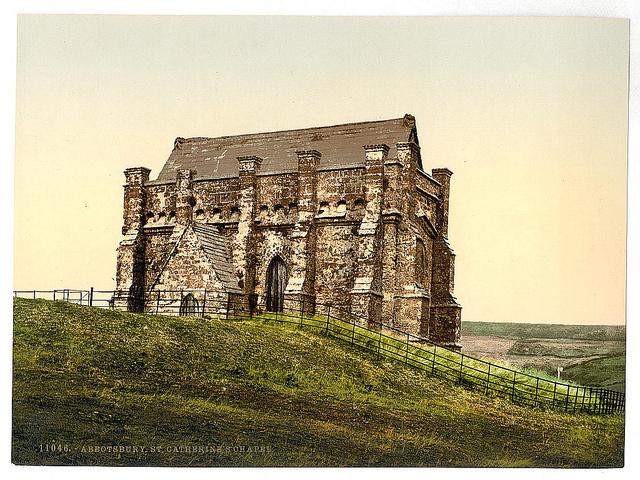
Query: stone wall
(368, 239)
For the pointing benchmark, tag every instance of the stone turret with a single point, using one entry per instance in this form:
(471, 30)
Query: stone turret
(445, 312)
(131, 251)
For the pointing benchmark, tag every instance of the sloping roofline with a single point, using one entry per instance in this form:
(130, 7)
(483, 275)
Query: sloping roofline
(340, 146)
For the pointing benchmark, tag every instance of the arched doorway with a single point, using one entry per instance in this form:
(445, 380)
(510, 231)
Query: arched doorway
(189, 306)
(276, 284)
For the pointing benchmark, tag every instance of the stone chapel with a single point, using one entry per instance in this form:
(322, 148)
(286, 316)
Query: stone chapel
(344, 215)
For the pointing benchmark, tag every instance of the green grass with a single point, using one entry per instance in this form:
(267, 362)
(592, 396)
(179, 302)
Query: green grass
(523, 385)
(86, 378)
(608, 372)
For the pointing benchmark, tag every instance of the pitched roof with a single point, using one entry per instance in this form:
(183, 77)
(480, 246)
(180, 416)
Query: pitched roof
(218, 252)
(340, 146)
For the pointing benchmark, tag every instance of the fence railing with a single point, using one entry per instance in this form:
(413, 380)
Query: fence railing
(383, 340)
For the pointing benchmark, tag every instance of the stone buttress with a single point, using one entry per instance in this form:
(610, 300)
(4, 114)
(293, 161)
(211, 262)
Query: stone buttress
(301, 285)
(366, 295)
(411, 298)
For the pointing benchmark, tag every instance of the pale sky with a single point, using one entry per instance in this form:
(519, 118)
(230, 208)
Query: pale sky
(529, 113)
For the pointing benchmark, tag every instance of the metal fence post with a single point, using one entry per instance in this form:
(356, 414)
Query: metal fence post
(535, 398)
(301, 310)
(204, 302)
(486, 390)
(406, 355)
(91, 297)
(461, 363)
(328, 315)
(379, 341)
(433, 364)
(513, 386)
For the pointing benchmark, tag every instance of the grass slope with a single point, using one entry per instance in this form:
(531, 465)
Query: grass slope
(201, 392)
(605, 372)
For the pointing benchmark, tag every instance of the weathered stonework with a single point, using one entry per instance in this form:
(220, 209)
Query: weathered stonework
(342, 215)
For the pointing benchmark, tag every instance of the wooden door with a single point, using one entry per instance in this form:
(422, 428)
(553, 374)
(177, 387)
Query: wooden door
(276, 284)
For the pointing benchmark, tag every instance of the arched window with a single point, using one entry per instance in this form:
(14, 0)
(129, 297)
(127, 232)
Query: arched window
(276, 284)
(189, 306)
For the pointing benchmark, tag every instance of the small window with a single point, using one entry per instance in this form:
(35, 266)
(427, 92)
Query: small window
(341, 206)
(189, 306)
(293, 211)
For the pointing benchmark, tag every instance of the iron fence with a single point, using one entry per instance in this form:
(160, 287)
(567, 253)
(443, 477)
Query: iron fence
(383, 340)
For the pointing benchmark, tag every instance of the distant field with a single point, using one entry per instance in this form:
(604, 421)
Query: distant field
(541, 330)
(592, 355)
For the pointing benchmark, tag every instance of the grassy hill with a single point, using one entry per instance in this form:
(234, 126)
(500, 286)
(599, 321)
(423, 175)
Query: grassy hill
(90, 385)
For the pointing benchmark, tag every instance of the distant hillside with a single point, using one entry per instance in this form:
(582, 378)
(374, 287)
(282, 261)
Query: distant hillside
(543, 330)
(91, 384)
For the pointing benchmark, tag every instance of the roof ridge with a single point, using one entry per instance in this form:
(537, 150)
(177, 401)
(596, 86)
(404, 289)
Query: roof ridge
(340, 145)
(196, 139)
